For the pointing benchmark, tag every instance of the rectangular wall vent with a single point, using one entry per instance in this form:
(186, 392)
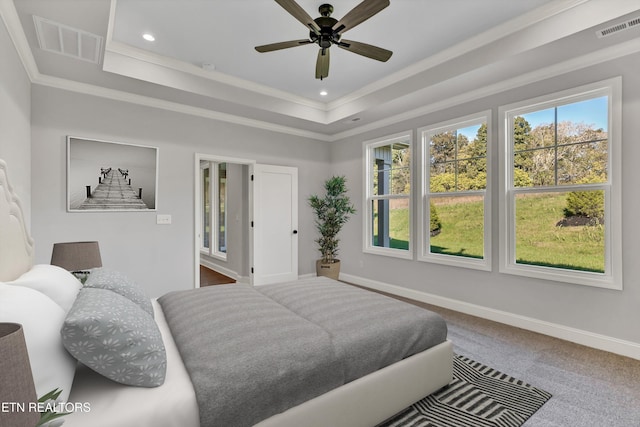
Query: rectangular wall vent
(620, 26)
(59, 38)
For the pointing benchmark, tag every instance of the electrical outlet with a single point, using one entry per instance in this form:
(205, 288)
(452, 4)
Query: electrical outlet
(163, 219)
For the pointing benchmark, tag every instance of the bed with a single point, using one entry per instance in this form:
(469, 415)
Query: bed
(313, 352)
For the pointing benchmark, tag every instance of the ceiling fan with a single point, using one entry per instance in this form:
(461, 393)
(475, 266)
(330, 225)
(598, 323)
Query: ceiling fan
(326, 31)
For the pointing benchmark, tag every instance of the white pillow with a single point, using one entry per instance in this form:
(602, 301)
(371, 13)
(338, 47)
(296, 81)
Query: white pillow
(53, 281)
(41, 320)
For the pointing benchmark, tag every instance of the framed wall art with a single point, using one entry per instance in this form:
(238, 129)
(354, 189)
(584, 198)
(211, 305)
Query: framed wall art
(110, 176)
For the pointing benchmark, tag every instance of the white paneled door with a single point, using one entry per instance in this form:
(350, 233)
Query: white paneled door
(274, 224)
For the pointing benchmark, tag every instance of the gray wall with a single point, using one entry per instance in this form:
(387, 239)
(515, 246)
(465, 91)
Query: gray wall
(600, 311)
(15, 118)
(159, 257)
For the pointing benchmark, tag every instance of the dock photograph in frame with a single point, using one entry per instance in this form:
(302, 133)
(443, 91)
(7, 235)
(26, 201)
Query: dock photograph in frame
(110, 176)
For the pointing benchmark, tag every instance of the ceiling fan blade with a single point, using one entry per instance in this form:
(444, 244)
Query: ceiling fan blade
(322, 64)
(299, 13)
(370, 51)
(282, 45)
(359, 14)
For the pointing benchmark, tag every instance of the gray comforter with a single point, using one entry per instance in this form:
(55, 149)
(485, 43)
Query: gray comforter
(255, 352)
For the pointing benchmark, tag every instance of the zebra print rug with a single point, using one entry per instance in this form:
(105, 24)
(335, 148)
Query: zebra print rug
(478, 396)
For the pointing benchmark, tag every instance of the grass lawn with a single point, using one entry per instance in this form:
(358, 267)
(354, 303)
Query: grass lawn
(462, 231)
(539, 240)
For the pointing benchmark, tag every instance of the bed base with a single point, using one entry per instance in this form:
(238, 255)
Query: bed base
(370, 400)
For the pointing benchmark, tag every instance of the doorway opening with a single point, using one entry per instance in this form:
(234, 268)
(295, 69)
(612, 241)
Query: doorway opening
(222, 212)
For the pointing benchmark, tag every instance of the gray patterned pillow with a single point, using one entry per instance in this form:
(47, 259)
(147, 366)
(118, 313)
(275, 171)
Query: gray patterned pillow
(116, 338)
(102, 278)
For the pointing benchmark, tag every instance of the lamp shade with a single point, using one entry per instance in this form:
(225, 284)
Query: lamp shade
(75, 256)
(16, 389)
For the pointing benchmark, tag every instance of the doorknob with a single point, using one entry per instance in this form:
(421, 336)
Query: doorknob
(295, 231)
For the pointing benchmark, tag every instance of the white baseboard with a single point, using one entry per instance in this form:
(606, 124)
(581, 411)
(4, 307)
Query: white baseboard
(589, 339)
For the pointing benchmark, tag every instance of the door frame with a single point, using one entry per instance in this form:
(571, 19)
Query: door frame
(197, 232)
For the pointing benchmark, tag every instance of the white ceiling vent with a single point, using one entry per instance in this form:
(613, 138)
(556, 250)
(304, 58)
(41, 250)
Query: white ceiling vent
(620, 26)
(68, 41)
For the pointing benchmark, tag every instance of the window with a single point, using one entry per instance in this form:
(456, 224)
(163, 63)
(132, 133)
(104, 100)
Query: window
(388, 196)
(213, 177)
(205, 180)
(455, 216)
(561, 212)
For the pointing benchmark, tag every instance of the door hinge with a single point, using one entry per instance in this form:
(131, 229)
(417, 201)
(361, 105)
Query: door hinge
(252, 224)
(251, 270)
(251, 177)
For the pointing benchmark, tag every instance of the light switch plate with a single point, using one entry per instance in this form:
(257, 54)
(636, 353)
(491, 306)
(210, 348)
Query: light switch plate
(163, 219)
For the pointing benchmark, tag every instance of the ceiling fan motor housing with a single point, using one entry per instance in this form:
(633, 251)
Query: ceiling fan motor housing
(327, 36)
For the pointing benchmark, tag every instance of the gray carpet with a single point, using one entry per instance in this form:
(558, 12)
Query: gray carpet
(590, 388)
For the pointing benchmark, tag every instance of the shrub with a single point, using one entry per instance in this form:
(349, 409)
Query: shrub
(434, 223)
(521, 178)
(585, 203)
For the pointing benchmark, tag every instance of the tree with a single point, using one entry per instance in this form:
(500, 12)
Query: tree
(521, 142)
(476, 153)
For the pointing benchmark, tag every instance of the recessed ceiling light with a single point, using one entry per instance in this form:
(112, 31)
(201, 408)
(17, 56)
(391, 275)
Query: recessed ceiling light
(148, 37)
(324, 93)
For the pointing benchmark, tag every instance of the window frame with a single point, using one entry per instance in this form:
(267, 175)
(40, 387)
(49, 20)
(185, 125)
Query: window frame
(205, 217)
(424, 214)
(217, 193)
(612, 277)
(213, 250)
(369, 197)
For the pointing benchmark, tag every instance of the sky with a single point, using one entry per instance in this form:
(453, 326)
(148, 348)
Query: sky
(592, 111)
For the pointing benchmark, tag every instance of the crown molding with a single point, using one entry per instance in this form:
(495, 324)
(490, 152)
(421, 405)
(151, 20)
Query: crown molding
(9, 16)
(147, 101)
(603, 55)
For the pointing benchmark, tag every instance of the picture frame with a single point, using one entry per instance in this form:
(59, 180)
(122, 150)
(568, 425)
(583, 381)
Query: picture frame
(107, 176)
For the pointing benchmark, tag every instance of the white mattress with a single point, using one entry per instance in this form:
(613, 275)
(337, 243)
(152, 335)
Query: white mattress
(113, 404)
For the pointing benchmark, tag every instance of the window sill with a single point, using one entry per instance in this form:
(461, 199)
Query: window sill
(597, 280)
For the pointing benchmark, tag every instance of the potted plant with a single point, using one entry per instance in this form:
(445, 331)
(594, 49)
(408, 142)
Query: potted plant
(332, 212)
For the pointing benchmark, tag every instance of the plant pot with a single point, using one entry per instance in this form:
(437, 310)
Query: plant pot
(330, 270)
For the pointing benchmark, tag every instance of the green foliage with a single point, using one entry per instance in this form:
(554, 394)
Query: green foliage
(521, 178)
(434, 220)
(586, 203)
(48, 415)
(458, 164)
(332, 212)
(442, 183)
(558, 153)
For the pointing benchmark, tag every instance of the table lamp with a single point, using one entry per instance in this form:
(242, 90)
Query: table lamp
(17, 390)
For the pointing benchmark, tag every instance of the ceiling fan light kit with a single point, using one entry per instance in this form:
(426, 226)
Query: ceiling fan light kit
(326, 31)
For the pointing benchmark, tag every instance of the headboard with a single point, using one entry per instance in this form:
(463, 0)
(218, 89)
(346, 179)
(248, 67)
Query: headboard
(16, 245)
